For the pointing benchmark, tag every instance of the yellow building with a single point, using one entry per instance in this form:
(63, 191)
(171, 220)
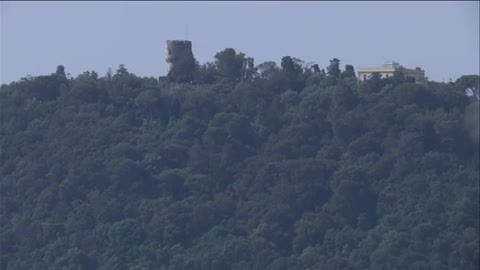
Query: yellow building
(387, 70)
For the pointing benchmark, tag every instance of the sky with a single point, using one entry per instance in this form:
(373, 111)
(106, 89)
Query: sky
(440, 37)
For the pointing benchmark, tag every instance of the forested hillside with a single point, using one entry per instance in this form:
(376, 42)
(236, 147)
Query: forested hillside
(246, 167)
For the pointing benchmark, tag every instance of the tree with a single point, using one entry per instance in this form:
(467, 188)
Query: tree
(349, 72)
(397, 78)
(206, 73)
(230, 65)
(469, 84)
(292, 71)
(352, 195)
(268, 70)
(250, 69)
(60, 71)
(334, 68)
(373, 85)
(148, 100)
(122, 70)
(85, 88)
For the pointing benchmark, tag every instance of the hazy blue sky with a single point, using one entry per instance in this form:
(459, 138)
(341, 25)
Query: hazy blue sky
(440, 37)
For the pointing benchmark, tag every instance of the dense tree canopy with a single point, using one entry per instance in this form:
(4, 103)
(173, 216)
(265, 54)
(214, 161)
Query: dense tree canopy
(245, 167)
(470, 84)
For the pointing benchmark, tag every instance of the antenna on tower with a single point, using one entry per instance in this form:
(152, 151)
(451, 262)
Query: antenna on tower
(186, 31)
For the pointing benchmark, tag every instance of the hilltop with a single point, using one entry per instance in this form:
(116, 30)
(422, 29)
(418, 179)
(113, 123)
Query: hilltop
(239, 166)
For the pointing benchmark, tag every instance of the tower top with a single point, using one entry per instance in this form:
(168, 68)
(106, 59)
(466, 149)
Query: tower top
(179, 41)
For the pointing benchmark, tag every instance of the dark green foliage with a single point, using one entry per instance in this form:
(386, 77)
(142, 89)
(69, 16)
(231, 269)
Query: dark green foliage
(231, 66)
(266, 167)
(334, 68)
(292, 73)
(349, 72)
(469, 84)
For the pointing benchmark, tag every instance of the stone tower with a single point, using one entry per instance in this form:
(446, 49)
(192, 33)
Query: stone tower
(179, 56)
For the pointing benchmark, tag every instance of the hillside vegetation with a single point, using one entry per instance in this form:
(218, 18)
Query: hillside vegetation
(247, 167)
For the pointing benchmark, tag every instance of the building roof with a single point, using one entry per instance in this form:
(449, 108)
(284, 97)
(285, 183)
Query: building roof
(388, 66)
(376, 69)
(391, 64)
